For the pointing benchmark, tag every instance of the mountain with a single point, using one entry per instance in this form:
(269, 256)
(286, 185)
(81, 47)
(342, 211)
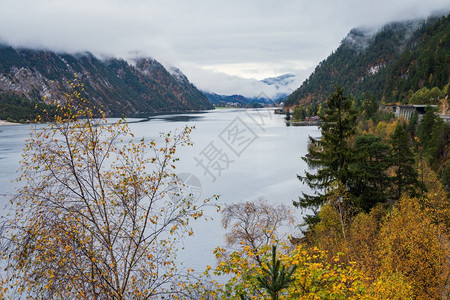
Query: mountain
(283, 84)
(116, 85)
(389, 64)
(219, 99)
(237, 100)
(279, 87)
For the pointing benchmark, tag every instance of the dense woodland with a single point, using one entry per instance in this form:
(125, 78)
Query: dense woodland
(14, 108)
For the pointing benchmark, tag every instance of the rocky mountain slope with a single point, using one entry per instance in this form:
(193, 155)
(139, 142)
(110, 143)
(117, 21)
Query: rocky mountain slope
(116, 85)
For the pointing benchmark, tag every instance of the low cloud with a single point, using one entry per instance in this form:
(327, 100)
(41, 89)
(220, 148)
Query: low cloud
(248, 39)
(225, 84)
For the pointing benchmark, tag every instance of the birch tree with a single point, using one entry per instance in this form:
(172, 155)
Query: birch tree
(94, 218)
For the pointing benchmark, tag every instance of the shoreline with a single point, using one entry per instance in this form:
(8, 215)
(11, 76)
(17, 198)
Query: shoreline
(303, 123)
(6, 123)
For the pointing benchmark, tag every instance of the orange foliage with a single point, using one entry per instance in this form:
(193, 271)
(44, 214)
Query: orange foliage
(411, 244)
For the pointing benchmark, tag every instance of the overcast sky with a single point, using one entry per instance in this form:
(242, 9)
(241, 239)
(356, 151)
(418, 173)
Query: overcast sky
(215, 43)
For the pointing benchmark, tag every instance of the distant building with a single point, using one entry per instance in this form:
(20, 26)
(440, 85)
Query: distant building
(446, 118)
(278, 111)
(312, 119)
(406, 110)
(232, 105)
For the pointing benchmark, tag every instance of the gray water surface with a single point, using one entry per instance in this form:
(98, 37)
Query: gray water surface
(256, 156)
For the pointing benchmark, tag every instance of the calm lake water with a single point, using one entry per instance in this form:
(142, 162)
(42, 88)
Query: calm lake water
(241, 155)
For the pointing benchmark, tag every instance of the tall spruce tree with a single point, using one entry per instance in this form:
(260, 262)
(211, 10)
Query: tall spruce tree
(412, 124)
(370, 180)
(438, 143)
(331, 155)
(426, 126)
(402, 159)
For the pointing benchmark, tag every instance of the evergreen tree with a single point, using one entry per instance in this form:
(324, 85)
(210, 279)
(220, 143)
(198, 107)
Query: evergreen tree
(288, 115)
(412, 124)
(445, 177)
(370, 107)
(426, 126)
(402, 159)
(275, 279)
(439, 141)
(370, 178)
(331, 155)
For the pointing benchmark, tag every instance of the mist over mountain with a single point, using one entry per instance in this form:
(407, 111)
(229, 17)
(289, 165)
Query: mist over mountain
(388, 64)
(117, 86)
(281, 86)
(284, 85)
(239, 100)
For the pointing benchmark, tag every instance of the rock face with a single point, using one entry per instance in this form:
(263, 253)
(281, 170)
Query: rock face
(119, 87)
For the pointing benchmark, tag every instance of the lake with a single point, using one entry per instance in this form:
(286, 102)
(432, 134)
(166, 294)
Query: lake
(256, 156)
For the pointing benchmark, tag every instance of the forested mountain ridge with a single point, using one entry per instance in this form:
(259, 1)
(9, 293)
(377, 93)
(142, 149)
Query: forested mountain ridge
(424, 63)
(119, 87)
(390, 64)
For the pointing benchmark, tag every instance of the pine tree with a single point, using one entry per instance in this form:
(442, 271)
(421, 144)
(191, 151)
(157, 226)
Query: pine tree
(439, 141)
(402, 158)
(412, 124)
(275, 279)
(426, 126)
(331, 155)
(370, 178)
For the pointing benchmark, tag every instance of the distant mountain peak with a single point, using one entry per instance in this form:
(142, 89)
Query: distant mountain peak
(147, 64)
(280, 80)
(358, 38)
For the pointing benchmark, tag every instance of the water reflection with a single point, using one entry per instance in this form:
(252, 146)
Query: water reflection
(169, 117)
(179, 118)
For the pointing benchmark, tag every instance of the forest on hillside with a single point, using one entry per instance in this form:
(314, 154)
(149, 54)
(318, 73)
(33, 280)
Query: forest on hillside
(390, 65)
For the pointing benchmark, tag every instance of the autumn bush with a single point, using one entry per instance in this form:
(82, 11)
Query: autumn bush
(411, 244)
(316, 274)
